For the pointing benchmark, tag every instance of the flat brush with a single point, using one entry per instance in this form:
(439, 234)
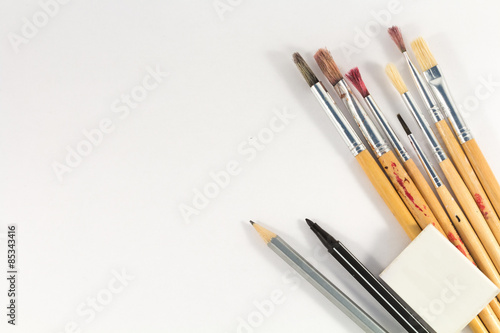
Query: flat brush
(318, 281)
(404, 315)
(392, 167)
(457, 184)
(445, 224)
(358, 149)
(437, 82)
(472, 243)
(454, 149)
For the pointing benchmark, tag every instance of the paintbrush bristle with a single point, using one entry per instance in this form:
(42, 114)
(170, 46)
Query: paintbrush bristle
(328, 66)
(403, 123)
(304, 68)
(397, 37)
(424, 56)
(396, 79)
(357, 81)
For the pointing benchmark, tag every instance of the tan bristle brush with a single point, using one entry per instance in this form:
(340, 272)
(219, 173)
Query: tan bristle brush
(457, 184)
(455, 150)
(358, 149)
(472, 242)
(392, 167)
(436, 81)
(355, 78)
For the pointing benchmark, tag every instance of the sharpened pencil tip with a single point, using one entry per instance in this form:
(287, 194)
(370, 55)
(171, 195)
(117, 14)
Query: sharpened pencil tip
(310, 223)
(252, 222)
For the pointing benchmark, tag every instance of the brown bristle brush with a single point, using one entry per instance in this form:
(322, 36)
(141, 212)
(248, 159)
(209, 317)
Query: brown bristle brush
(392, 167)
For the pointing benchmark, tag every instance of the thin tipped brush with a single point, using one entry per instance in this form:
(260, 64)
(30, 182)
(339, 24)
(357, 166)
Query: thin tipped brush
(459, 188)
(400, 179)
(472, 243)
(359, 151)
(318, 281)
(354, 76)
(471, 165)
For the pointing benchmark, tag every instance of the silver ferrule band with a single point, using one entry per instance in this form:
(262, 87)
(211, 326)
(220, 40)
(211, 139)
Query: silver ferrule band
(386, 127)
(424, 126)
(447, 104)
(372, 135)
(345, 129)
(433, 175)
(424, 91)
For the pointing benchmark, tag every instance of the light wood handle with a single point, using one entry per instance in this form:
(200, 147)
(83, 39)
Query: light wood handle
(477, 326)
(388, 193)
(436, 207)
(469, 236)
(407, 190)
(495, 307)
(472, 212)
(469, 177)
(484, 172)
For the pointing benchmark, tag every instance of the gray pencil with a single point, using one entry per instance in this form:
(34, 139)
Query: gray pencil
(321, 283)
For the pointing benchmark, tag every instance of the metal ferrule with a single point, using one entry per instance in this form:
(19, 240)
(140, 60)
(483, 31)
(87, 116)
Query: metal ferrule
(424, 91)
(345, 129)
(433, 175)
(446, 103)
(386, 127)
(366, 125)
(424, 126)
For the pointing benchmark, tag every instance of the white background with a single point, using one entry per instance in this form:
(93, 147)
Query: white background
(119, 208)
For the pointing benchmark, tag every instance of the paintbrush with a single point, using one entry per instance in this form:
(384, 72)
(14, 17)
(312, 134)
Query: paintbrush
(355, 78)
(392, 167)
(457, 184)
(462, 225)
(439, 87)
(454, 149)
(358, 149)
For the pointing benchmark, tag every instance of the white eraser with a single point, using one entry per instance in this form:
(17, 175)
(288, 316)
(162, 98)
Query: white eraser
(438, 282)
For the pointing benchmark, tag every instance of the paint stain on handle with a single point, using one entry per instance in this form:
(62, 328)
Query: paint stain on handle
(480, 204)
(401, 183)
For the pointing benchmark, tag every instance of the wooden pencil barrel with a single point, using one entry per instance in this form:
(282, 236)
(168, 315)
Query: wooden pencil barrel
(472, 212)
(484, 172)
(388, 193)
(408, 191)
(469, 177)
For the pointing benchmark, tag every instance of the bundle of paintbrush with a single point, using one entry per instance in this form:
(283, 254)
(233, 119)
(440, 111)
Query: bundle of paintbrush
(472, 225)
(467, 174)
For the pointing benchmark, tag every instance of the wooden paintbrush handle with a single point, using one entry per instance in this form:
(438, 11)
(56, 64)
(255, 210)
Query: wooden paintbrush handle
(469, 177)
(472, 212)
(479, 254)
(484, 172)
(388, 193)
(469, 236)
(495, 307)
(408, 191)
(435, 206)
(477, 326)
